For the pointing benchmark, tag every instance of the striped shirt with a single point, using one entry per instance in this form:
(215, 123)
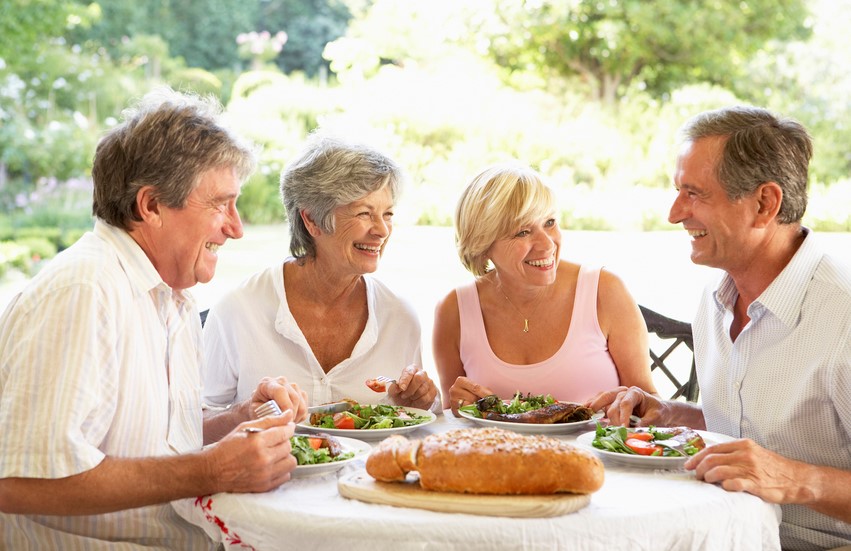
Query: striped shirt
(99, 358)
(786, 381)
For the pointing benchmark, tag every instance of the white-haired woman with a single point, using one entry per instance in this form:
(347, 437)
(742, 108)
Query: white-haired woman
(531, 322)
(318, 317)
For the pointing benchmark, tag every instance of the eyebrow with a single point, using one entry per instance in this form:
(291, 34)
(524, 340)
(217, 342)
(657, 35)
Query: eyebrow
(223, 197)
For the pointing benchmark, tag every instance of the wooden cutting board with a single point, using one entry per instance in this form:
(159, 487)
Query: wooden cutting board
(359, 485)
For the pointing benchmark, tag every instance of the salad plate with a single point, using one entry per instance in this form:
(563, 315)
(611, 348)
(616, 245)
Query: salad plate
(373, 434)
(647, 461)
(358, 447)
(535, 428)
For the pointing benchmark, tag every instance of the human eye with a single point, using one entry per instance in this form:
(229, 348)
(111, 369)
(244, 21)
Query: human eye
(522, 233)
(388, 215)
(550, 223)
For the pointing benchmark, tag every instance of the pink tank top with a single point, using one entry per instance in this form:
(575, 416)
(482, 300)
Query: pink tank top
(581, 368)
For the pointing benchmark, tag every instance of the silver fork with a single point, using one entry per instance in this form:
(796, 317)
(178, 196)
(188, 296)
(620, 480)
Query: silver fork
(269, 408)
(675, 445)
(385, 380)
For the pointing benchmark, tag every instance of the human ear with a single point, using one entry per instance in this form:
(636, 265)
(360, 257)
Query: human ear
(769, 198)
(309, 224)
(148, 206)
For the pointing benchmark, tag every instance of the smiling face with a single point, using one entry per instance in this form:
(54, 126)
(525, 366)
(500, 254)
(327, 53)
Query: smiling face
(721, 229)
(362, 229)
(183, 244)
(529, 256)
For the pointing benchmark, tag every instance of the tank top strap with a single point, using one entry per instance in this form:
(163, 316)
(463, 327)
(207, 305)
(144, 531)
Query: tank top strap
(584, 316)
(470, 315)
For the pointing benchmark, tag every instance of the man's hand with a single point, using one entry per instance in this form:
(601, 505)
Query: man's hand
(744, 466)
(288, 396)
(257, 460)
(464, 391)
(414, 388)
(620, 403)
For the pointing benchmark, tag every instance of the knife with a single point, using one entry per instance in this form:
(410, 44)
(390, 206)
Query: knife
(334, 407)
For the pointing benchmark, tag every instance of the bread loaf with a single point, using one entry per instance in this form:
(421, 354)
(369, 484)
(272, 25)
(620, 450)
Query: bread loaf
(488, 461)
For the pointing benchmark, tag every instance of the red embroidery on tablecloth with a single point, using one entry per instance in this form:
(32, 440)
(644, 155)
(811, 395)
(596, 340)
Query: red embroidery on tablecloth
(228, 537)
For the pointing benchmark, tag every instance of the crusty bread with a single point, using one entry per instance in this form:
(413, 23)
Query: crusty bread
(383, 462)
(488, 461)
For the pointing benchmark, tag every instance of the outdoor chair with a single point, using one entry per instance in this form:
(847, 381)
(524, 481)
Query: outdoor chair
(672, 336)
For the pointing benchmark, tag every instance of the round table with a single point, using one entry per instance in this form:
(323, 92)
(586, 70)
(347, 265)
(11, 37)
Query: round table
(635, 509)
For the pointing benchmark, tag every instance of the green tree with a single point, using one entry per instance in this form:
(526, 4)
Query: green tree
(25, 23)
(202, 32)
(310, 25)
(655, 45)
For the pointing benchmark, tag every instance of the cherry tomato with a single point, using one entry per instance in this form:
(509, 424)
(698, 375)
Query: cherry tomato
(646, 436)
(376, 386)
(315, 443)
(643, 448)
(343, 421)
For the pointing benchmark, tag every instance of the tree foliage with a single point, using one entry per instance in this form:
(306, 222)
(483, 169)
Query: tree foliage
(310, 25)
(658, 44)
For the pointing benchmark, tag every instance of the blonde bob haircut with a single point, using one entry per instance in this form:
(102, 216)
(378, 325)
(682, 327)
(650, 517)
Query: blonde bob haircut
(495, 205)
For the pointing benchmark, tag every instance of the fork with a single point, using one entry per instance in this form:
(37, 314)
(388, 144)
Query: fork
(385, 380)
(676, 445)
(269, 408)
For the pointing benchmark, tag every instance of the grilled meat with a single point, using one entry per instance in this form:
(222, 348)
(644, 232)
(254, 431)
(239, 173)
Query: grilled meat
(559, 412)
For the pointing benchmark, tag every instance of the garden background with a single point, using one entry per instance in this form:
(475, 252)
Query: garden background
(589, 92)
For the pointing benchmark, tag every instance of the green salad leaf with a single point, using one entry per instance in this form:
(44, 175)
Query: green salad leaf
(613, 439)
(306, 455)
(518, 404)
(381, 416)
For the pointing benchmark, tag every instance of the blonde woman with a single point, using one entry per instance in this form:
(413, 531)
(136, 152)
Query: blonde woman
(530, 321)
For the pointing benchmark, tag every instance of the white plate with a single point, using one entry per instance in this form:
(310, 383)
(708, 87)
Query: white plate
(647, 461)
(534, 428)
(373, 434)
(349, 445)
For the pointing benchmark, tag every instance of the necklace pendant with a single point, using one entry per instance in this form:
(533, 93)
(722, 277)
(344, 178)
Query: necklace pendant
(525, 326)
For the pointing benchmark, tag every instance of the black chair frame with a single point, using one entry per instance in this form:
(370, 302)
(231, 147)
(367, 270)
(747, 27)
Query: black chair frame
(680, 333)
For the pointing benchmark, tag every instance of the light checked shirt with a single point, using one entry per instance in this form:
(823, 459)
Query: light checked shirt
(786, 381)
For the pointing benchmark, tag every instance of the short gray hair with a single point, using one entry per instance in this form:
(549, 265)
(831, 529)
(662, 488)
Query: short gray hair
(331, 172)
(759, 147)
(168, 141)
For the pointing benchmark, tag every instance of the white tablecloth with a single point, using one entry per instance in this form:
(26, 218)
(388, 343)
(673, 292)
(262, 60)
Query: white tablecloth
(635, 509)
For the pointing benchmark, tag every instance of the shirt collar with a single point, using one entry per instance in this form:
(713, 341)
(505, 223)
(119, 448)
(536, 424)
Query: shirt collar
(141, 273)
(785, 294)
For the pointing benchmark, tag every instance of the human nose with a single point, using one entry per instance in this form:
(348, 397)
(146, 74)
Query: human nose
(381, 227)
(678, 211)
(543, 240)
(233, 224)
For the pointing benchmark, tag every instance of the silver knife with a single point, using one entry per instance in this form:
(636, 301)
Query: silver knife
(335, 407)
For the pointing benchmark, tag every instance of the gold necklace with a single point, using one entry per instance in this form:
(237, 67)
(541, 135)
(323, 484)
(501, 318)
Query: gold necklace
(525, 317)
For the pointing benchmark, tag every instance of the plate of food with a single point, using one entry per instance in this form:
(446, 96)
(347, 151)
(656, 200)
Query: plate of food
(322, 453)
(649, 447)
(530, 414)
(369, 421)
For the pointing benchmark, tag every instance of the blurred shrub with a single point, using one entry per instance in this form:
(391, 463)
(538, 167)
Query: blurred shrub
(39, 248)
(260, 201)
(14, 255)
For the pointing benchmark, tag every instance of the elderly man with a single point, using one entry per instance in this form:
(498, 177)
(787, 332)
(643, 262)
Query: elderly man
(773, 340)
(99, 355)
